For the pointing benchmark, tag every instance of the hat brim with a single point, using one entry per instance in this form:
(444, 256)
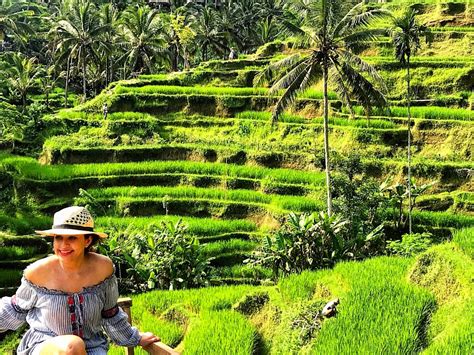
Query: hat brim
(53, 232)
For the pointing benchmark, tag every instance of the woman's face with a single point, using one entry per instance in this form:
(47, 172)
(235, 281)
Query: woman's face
(70, 246)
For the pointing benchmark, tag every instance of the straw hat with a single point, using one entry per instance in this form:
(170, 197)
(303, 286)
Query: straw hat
(70, 221)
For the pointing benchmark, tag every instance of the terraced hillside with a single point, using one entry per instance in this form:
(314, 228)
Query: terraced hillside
(198, 146)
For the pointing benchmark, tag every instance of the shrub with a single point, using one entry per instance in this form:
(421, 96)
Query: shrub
(251, 304)
(169, 258)
(410, 245)
(307, 241)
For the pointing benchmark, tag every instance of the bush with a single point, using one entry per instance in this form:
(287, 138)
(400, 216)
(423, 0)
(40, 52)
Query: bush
(251, 304)
(169, 258)
(410, 245)
(307, 241)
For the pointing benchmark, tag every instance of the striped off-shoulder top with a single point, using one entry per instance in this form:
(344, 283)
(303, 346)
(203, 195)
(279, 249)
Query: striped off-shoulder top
(88, 314)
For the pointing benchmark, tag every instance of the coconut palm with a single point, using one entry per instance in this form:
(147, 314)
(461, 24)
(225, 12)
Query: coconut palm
(13, 15)
(208, 34)
(332, 35)
(80, 35)
(142, 32)
(110, 18)
(406, 37)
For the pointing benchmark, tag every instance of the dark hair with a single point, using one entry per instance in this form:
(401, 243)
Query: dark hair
(95, 241)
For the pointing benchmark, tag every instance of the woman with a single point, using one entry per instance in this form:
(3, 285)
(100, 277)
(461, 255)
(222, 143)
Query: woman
(70, 298)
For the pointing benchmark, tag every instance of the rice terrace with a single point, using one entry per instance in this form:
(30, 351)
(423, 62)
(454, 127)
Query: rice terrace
(274, 176)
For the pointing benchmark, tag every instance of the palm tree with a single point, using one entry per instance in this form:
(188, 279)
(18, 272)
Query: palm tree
(333, 34)
(208, 34)
(110, 18)
(23, 73)
(13, 15)
(406, 36)
(141, 29)
(80, 34)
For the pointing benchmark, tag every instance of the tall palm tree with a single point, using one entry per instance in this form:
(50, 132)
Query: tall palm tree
(110, 18)
(141, 30)
(208, 34)
(13, 15)
(80, 34)
(406, 36)
(332, 34)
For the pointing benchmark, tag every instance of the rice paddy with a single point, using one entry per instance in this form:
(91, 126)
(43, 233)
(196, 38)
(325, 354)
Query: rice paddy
(198, 146)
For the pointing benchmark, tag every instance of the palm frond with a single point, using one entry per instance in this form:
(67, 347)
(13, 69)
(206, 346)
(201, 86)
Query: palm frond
(356, 21)
(268, 74)
(336, 77)
(365, 67)
(293, 84)
(362, 90)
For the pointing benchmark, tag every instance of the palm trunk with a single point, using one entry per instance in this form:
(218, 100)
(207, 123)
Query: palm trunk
(409, 145)
(106, 71)
(84, 89)
(326, 137)
(66, 87)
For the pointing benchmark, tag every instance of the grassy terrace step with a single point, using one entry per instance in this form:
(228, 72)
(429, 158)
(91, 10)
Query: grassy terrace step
(121, 122)
(31, 169)
(192, 152)
(152, 200)
(454, 201)
(424, 112)
(211, 91)
(235, 78)
(206, 228)
(199, 207)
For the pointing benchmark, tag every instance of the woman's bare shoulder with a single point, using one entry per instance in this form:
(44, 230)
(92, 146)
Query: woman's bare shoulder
(102, 265)
(39, 272)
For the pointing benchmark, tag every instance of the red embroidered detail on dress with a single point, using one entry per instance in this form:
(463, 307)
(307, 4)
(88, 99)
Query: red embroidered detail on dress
(77, 327)
(109, 313)
(15, 306)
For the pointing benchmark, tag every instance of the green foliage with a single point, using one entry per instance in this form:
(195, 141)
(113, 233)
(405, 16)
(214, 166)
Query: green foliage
(169, 258)
(464, 238)
(12, 124)
(303, 242)
(361, 202)
(446, 271)
(251, 303)
(410, 245)
(221, 332)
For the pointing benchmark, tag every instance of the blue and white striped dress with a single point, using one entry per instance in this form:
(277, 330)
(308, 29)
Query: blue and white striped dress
(50, 313)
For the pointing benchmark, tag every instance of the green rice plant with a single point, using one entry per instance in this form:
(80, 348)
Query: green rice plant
(196, 226)
(17, 252)
(425, 112)
(191, 90)
(227, 246)
(464, 238)
(333, 121)
(447, 272)
(10, 277)
(125, 194)
(30, 168)
(452, 29)
(374, 303)
(243, 271)
(442, 219)
(221, 332)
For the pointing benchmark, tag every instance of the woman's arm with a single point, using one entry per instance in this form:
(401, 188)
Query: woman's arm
(13, 310)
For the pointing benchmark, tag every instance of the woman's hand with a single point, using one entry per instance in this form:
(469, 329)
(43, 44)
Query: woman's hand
(148, 339)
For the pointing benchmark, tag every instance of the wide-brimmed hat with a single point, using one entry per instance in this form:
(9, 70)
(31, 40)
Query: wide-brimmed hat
(70, 221)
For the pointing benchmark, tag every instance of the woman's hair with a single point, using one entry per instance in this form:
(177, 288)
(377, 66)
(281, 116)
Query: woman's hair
(95, 241)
